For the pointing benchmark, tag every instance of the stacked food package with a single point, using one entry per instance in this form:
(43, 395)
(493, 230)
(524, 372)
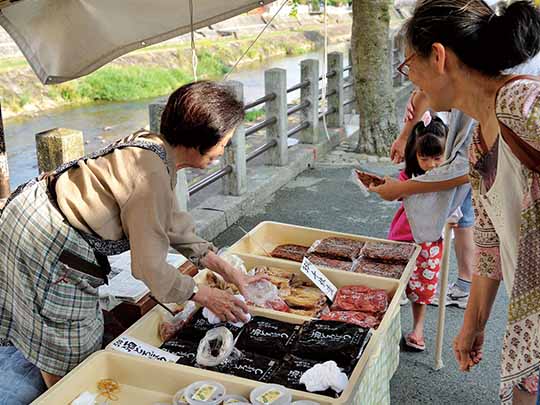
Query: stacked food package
(383, 259)
(271, 351)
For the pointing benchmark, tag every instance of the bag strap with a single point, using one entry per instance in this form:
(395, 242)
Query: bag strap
(527, 155)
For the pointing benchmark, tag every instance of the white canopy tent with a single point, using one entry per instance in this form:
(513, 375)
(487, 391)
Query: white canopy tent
(66, 39)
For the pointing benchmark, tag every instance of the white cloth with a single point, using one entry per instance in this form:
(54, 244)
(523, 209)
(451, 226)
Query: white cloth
(213, 319)
(320, 377)
(503, 202)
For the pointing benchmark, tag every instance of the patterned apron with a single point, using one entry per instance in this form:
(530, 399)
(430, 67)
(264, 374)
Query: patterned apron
(49, 307)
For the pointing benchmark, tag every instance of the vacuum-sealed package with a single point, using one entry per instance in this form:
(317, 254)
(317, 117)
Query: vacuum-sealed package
(388, 252)
(267, 336)
(331, 340)
(197, 327)
(373, 268)
(291, 370)
(360, 298)
(184, 349)
(363, 319)
(292, 252)
(249, 365)
(337, 248)
(329, 262)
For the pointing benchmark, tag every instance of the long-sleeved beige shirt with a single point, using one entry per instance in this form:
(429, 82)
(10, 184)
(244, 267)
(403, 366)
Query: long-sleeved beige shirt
(129, 193)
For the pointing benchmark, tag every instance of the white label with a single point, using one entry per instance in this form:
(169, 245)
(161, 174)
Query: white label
(319, 279)
(135, 347)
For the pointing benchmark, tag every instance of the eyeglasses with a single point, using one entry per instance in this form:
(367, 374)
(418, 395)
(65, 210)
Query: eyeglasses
(404, 68)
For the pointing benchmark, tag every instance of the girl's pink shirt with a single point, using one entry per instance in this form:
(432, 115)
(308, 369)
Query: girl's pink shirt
(400, 230)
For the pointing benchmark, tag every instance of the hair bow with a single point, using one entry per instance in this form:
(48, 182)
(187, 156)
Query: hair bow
(426, 118)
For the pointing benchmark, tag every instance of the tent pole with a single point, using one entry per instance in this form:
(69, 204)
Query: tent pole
(4, 170)
(447, 246)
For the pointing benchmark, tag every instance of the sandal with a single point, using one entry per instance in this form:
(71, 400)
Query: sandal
(414, 343)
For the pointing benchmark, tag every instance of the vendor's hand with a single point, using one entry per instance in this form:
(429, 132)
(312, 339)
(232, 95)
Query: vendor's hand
(397, 150)
(468, 348)
(390, 190)
(242, 280)
(225, 305)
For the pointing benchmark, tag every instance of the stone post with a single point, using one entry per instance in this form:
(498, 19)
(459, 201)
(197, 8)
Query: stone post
(309, 71)
(348, 94)
(57, 146)
(181, 190)
(4, 168)
(235, 154)
(335, 82)
(275, 81)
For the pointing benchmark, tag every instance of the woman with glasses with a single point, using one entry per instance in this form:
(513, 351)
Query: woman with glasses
(456, 53)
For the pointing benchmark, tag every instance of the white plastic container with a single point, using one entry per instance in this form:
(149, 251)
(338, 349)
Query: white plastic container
(179, 398)
(205, 393)
(235, 400)
(271, 394)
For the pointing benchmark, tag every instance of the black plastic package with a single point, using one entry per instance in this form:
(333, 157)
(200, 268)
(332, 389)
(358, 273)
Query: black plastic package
(267, 336)
(186, 350)
(249, 365)
(331, 340)
(195, 328)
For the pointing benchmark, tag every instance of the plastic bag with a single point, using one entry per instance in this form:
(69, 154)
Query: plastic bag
(362, 319)
(249, 365)
(337, 248)
(184, 349)
(360, 298)
(325, 376)
(330, 340)
(198, 326)
(357, 176)
(216, 347)
(232, 259)
(168, 329)
(268, 336)
(388, 252)
(266, 295)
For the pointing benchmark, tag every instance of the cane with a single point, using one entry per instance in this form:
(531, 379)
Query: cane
(447, 245)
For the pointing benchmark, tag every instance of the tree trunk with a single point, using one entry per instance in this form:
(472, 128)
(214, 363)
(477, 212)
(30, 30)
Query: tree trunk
(371, 70)
(4, 171)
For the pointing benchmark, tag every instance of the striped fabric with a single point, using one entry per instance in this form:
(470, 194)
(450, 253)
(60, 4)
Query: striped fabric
(48, 311)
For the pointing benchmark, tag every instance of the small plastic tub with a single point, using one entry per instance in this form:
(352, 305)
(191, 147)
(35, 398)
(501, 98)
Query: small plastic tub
(235, 400)
(179, 398)
(305, 402)
(205, 393)
(271, 394)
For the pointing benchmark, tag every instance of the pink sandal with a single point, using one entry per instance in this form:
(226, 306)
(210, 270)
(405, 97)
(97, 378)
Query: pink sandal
(414, 343)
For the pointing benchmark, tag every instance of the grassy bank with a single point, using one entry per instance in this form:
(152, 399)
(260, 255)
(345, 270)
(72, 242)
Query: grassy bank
(143, 74)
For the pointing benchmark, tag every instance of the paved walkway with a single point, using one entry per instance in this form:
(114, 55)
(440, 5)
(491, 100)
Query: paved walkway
(325, 197)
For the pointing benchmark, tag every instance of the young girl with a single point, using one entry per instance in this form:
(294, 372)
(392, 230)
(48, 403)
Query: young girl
(423, 152)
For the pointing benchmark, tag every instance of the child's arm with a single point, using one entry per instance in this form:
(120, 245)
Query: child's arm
(416, 107)
(393, 189)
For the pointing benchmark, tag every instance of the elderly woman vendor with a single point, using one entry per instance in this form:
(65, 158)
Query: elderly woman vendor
(56, 232)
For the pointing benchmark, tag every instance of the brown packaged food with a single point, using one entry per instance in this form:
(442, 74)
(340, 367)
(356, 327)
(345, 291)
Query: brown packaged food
(292, 252)
(388, 252)
(215, 281)
(306, 298)
(360, 298)
(337, 248)
(368, 179)
(310, 313)
(373, 268)
(332, 263)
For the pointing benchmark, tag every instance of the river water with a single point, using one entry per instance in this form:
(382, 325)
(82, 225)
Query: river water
(104, 123)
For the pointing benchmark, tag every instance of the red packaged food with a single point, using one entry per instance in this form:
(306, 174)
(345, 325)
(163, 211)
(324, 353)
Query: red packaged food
(362, 319)
(360, 298)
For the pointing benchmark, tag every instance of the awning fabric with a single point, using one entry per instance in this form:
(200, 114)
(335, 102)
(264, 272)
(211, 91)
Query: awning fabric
(66, 39)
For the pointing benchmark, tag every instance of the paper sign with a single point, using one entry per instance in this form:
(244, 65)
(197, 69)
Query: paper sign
(135, 347)
(319, 279)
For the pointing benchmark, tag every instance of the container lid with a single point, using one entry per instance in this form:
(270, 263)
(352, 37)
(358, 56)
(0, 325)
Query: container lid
(305, 402)
(205, 393)
(235, 400)
(179, 398)
(271, 394)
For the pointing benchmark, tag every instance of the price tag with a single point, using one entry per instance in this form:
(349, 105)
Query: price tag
(319, 279)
